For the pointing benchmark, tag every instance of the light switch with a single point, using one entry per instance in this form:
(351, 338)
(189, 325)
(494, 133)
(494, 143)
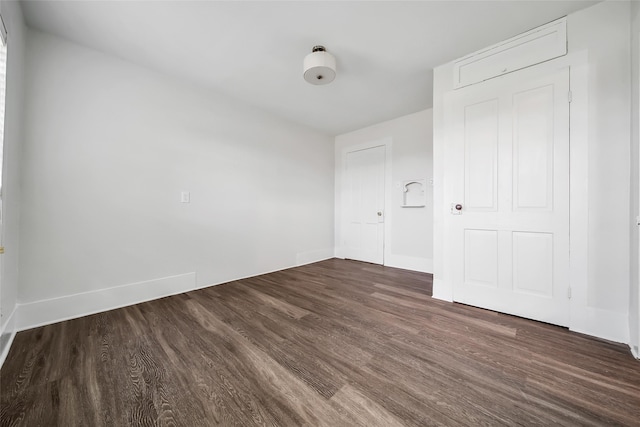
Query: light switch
(185, 197)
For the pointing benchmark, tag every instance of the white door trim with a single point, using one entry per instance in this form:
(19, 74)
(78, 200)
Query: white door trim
(342, 185)
(635, 349)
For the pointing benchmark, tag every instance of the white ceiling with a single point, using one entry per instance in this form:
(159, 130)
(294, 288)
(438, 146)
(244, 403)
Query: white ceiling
(253, 51)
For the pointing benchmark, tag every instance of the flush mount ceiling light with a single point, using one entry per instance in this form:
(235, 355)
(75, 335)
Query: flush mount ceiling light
(319, 66)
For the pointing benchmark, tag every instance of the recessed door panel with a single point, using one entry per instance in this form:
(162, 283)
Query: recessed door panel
(481, 155)
(533, 263)
(481, 258)
(533, 138)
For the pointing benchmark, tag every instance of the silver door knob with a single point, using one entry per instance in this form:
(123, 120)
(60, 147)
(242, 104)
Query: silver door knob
(379, 213)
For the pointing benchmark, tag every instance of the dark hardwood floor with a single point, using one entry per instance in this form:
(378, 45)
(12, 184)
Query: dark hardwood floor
(336, 343)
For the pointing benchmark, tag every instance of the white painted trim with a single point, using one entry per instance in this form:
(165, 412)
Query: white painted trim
(443, 287)
(578, 195)
(634, 341)
(45, 312)
(388, 191)
(441, 290)
(4, 348)
(310, 257)
(442, 79)
(406, 262)
(635, 351)
(388, 199)
(7, 329)
(527, 49)
(606, 324)
(9, 324)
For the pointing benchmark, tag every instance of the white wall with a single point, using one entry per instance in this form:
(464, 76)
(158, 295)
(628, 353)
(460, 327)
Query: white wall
(409, 230)
(634, 300)
(600, 75)
(603, 31)
(109, 146)
(13, 126)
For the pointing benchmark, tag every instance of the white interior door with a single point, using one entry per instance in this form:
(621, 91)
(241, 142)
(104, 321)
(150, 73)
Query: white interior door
(510, 177)
(364, 225)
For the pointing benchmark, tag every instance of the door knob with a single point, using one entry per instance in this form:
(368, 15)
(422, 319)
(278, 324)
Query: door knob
(379, 213)
(458, 207)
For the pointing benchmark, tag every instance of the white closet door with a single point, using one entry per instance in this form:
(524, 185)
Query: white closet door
(510, 169)
(365, 205)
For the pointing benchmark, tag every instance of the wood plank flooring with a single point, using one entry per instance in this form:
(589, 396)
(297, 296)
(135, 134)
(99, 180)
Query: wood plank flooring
(336, 343)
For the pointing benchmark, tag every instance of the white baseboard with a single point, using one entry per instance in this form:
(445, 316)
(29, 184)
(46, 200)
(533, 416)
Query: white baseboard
(634, 351)
(45, 312)
(600, 323)
(7, 334)
(405, 262)
(314, 256)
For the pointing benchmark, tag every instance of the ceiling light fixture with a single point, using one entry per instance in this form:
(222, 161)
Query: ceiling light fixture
(319, 66)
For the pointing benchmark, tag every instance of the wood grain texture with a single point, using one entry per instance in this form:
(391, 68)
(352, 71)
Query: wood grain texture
(335, 343)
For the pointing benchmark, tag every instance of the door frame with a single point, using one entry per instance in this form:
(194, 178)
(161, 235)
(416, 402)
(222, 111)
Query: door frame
(341, 194)
(635, 349)
(582, 318)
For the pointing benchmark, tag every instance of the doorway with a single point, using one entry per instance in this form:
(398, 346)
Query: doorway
(510, 179)
(364, 204)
